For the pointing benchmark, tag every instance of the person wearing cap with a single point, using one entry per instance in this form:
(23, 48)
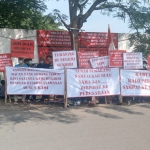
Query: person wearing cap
(20, 64)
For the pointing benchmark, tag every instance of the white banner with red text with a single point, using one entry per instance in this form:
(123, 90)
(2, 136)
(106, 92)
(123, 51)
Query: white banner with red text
(135, 82)
(100, 62)
(63, 59)
(34, 81)
(93, 82)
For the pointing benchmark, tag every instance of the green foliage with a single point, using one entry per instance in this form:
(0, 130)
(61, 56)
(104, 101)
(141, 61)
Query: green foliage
(25, 14)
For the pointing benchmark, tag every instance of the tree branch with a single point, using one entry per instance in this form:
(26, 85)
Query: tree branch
(84, 3)
(122, 7)
(73, 9)
(81, 6)
(66, 25)
(92, 8)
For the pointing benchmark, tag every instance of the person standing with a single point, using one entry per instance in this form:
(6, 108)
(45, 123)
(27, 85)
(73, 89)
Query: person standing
(43, 65)
(2, 89)
(21, 64)
(30, 65)
(50, 62)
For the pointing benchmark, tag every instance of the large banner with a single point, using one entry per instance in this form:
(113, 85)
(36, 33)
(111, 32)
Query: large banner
(96, 39)
(63, 59)
(135, 82)
(5, 60)
(133, 60)
(22, 48)
(92, 82)
(100, 62)
(53, 38)
(34, 81)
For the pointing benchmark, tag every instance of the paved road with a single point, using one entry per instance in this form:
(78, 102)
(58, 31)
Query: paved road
(97, 128)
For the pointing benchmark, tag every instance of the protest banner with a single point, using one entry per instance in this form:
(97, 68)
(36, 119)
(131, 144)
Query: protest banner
(99, 62)
(148, 62)
(84, 58)
(103, 51)
(53, 38)
(96, 39)
(93, 82)
(5, 60)
(116, 58)
(135, 82)
(133, 60)
(22, 48)
(34, 81)
(67, 59)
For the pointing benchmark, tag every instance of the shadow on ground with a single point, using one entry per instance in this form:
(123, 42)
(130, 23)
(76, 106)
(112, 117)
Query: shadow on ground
(123, 109)
(145, 106)
(21, 113)
(59, 115)
(106, 115)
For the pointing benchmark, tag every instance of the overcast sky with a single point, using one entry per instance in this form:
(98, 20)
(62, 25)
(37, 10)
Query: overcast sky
(96, 22)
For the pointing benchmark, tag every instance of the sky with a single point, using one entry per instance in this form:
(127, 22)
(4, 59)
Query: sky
(96, 22)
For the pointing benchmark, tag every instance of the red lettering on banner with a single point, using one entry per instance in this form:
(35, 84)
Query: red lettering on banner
(133, 80)
(95, 93)
(65, 64)
(142, 74)
(64, 54)
(105, 75)
(129, 87)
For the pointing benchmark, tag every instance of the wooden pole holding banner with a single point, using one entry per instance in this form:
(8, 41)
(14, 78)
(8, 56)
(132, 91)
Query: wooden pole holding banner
(120, 96)
(4, 74)
(106, 100)
(65, 88)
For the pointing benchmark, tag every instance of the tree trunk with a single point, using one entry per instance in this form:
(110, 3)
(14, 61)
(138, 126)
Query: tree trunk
(74, 34)
(74, 39)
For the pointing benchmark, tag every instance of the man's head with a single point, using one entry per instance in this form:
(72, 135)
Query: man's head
(20, 60)
(28, 61)
(3, 82)
(42, 60)
(49, 59)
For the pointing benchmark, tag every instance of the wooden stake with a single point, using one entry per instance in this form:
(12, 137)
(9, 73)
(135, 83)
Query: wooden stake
(120, 96)
(4, 74)
(65, 88)
(106, 100)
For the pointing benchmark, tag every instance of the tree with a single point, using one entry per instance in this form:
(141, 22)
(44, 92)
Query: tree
(25, 14)
(140, 39)
(80, 10)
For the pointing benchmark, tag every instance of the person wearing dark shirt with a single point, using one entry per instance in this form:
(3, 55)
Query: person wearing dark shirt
(42, 64)
(2, 89)
(31, 65)
(21, 64)
(50, 62)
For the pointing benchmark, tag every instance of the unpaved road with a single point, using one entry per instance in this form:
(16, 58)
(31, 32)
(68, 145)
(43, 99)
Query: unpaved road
(97, 128)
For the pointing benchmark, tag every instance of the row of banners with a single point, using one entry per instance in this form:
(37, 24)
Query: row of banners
(116, 58)
(79, 82)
